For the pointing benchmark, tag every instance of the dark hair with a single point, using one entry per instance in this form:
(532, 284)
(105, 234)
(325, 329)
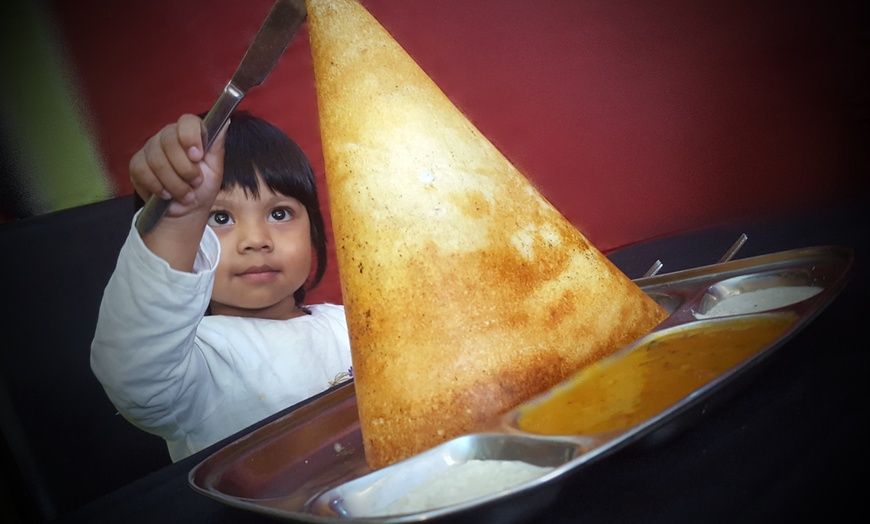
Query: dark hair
(254, 145)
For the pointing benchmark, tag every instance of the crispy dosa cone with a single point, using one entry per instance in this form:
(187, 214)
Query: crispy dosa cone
(466, 292)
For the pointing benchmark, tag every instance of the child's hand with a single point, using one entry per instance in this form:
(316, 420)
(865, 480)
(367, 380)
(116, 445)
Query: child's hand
(172, 165)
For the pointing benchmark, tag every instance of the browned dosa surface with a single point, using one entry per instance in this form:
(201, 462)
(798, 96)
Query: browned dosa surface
(466, 292)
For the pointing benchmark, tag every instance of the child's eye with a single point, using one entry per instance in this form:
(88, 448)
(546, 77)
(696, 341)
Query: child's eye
(220, 218)
(280, 214)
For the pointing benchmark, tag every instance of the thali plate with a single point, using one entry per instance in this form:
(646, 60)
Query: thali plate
(309, 465)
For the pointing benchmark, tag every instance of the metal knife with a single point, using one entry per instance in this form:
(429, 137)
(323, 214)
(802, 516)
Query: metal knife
(265, 50)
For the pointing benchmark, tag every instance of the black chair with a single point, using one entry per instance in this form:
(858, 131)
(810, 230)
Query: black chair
(63, 442)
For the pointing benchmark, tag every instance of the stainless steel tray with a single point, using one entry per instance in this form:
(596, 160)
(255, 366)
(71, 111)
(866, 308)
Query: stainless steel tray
(309, 465)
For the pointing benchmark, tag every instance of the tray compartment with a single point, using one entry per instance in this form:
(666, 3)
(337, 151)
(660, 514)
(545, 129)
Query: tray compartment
(758, 292)
(287, 462)
(369, 496)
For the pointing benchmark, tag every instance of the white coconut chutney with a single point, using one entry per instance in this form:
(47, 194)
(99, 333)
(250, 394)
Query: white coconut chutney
(760, 300)
(463, 482)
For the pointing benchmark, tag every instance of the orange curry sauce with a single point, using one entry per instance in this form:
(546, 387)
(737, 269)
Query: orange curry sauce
(620, 392)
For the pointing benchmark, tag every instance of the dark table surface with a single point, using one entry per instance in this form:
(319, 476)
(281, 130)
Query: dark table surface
(788, 444)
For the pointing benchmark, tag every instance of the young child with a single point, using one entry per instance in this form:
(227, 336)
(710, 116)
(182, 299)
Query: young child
(202, 330)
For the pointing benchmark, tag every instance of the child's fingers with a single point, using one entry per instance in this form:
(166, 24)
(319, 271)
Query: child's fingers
(169, 164)
(144, 181)
(215, 155)
(167, 160)
(190, 136)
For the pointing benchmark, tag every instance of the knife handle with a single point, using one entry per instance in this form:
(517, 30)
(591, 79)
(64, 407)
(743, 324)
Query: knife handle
(219, 114)
(214, 120)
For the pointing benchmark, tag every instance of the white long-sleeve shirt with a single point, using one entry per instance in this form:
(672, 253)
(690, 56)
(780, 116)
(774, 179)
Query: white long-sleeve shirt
(195, 379)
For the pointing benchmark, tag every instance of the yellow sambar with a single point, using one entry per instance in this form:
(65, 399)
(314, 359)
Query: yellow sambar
(621, 392)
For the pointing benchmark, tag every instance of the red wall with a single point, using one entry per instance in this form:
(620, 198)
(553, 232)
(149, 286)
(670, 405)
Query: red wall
(635, 118)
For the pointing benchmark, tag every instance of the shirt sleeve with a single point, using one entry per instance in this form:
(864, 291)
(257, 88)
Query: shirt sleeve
(144, 347)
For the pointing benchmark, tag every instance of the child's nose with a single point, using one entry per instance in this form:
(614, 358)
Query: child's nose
(255, 237)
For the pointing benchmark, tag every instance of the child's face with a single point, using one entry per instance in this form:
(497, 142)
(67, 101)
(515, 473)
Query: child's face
(265, 254)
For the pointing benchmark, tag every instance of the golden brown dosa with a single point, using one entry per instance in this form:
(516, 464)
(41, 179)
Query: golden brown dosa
(466, 292)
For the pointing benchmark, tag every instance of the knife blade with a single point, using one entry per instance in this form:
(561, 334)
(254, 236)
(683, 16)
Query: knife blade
(263, 53)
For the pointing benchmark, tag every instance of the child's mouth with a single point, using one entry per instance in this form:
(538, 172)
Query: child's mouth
(259, 273)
